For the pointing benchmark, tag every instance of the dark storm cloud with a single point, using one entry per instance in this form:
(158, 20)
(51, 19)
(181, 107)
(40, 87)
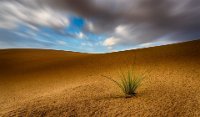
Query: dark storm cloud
(148, 19)
(160, 13)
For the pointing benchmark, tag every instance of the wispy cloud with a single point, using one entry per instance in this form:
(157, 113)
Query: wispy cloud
(147, 20)
(99, 25)
(14, 13)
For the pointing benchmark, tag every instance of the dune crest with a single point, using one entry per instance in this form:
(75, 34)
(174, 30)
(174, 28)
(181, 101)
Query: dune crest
(59, 83)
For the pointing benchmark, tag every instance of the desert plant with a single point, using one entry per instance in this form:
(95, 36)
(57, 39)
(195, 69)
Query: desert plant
(130, 82)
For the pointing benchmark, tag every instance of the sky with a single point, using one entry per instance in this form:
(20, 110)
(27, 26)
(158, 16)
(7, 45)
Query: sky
(97, 26)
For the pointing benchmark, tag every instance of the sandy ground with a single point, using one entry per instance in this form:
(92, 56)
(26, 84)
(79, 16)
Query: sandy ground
(38, 83)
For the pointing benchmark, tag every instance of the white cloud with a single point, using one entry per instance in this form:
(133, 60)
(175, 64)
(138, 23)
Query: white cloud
(161, 41)
(13, 13)
(7, 25)
(31, 33)
(87, 44)
(21, 34)
(111, 41)
(80, 35)
(121, 34)
(122, 30)
(33, 27)
(90, 26)
(146, 45)
(129, 35)
(60, 42)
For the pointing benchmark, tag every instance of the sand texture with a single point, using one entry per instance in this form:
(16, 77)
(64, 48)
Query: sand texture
(40, 83)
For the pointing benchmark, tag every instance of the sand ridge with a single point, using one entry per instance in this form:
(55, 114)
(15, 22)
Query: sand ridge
(58, 83)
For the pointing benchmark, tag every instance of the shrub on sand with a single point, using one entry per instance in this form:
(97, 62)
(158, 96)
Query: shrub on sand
(129, 83)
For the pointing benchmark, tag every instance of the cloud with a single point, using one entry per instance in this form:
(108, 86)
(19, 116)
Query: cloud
(127, 23)
(144, 20)
(80, 35)
(62, 43)
(14, 40)
(111, 41)
(31, 14)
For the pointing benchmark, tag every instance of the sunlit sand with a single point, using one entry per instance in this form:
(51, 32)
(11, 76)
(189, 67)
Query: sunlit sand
(59, 83)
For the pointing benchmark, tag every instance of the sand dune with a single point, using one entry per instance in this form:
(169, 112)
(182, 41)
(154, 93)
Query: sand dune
(59, 83)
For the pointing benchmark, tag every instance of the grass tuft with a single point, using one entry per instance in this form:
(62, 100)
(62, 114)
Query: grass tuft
(129, 83)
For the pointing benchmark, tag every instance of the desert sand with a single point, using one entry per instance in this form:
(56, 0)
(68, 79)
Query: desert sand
(36, 83)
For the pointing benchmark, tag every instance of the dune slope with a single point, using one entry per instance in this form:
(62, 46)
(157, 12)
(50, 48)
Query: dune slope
(59, 83)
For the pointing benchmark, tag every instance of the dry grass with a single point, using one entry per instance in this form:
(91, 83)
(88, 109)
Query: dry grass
(130, 81)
